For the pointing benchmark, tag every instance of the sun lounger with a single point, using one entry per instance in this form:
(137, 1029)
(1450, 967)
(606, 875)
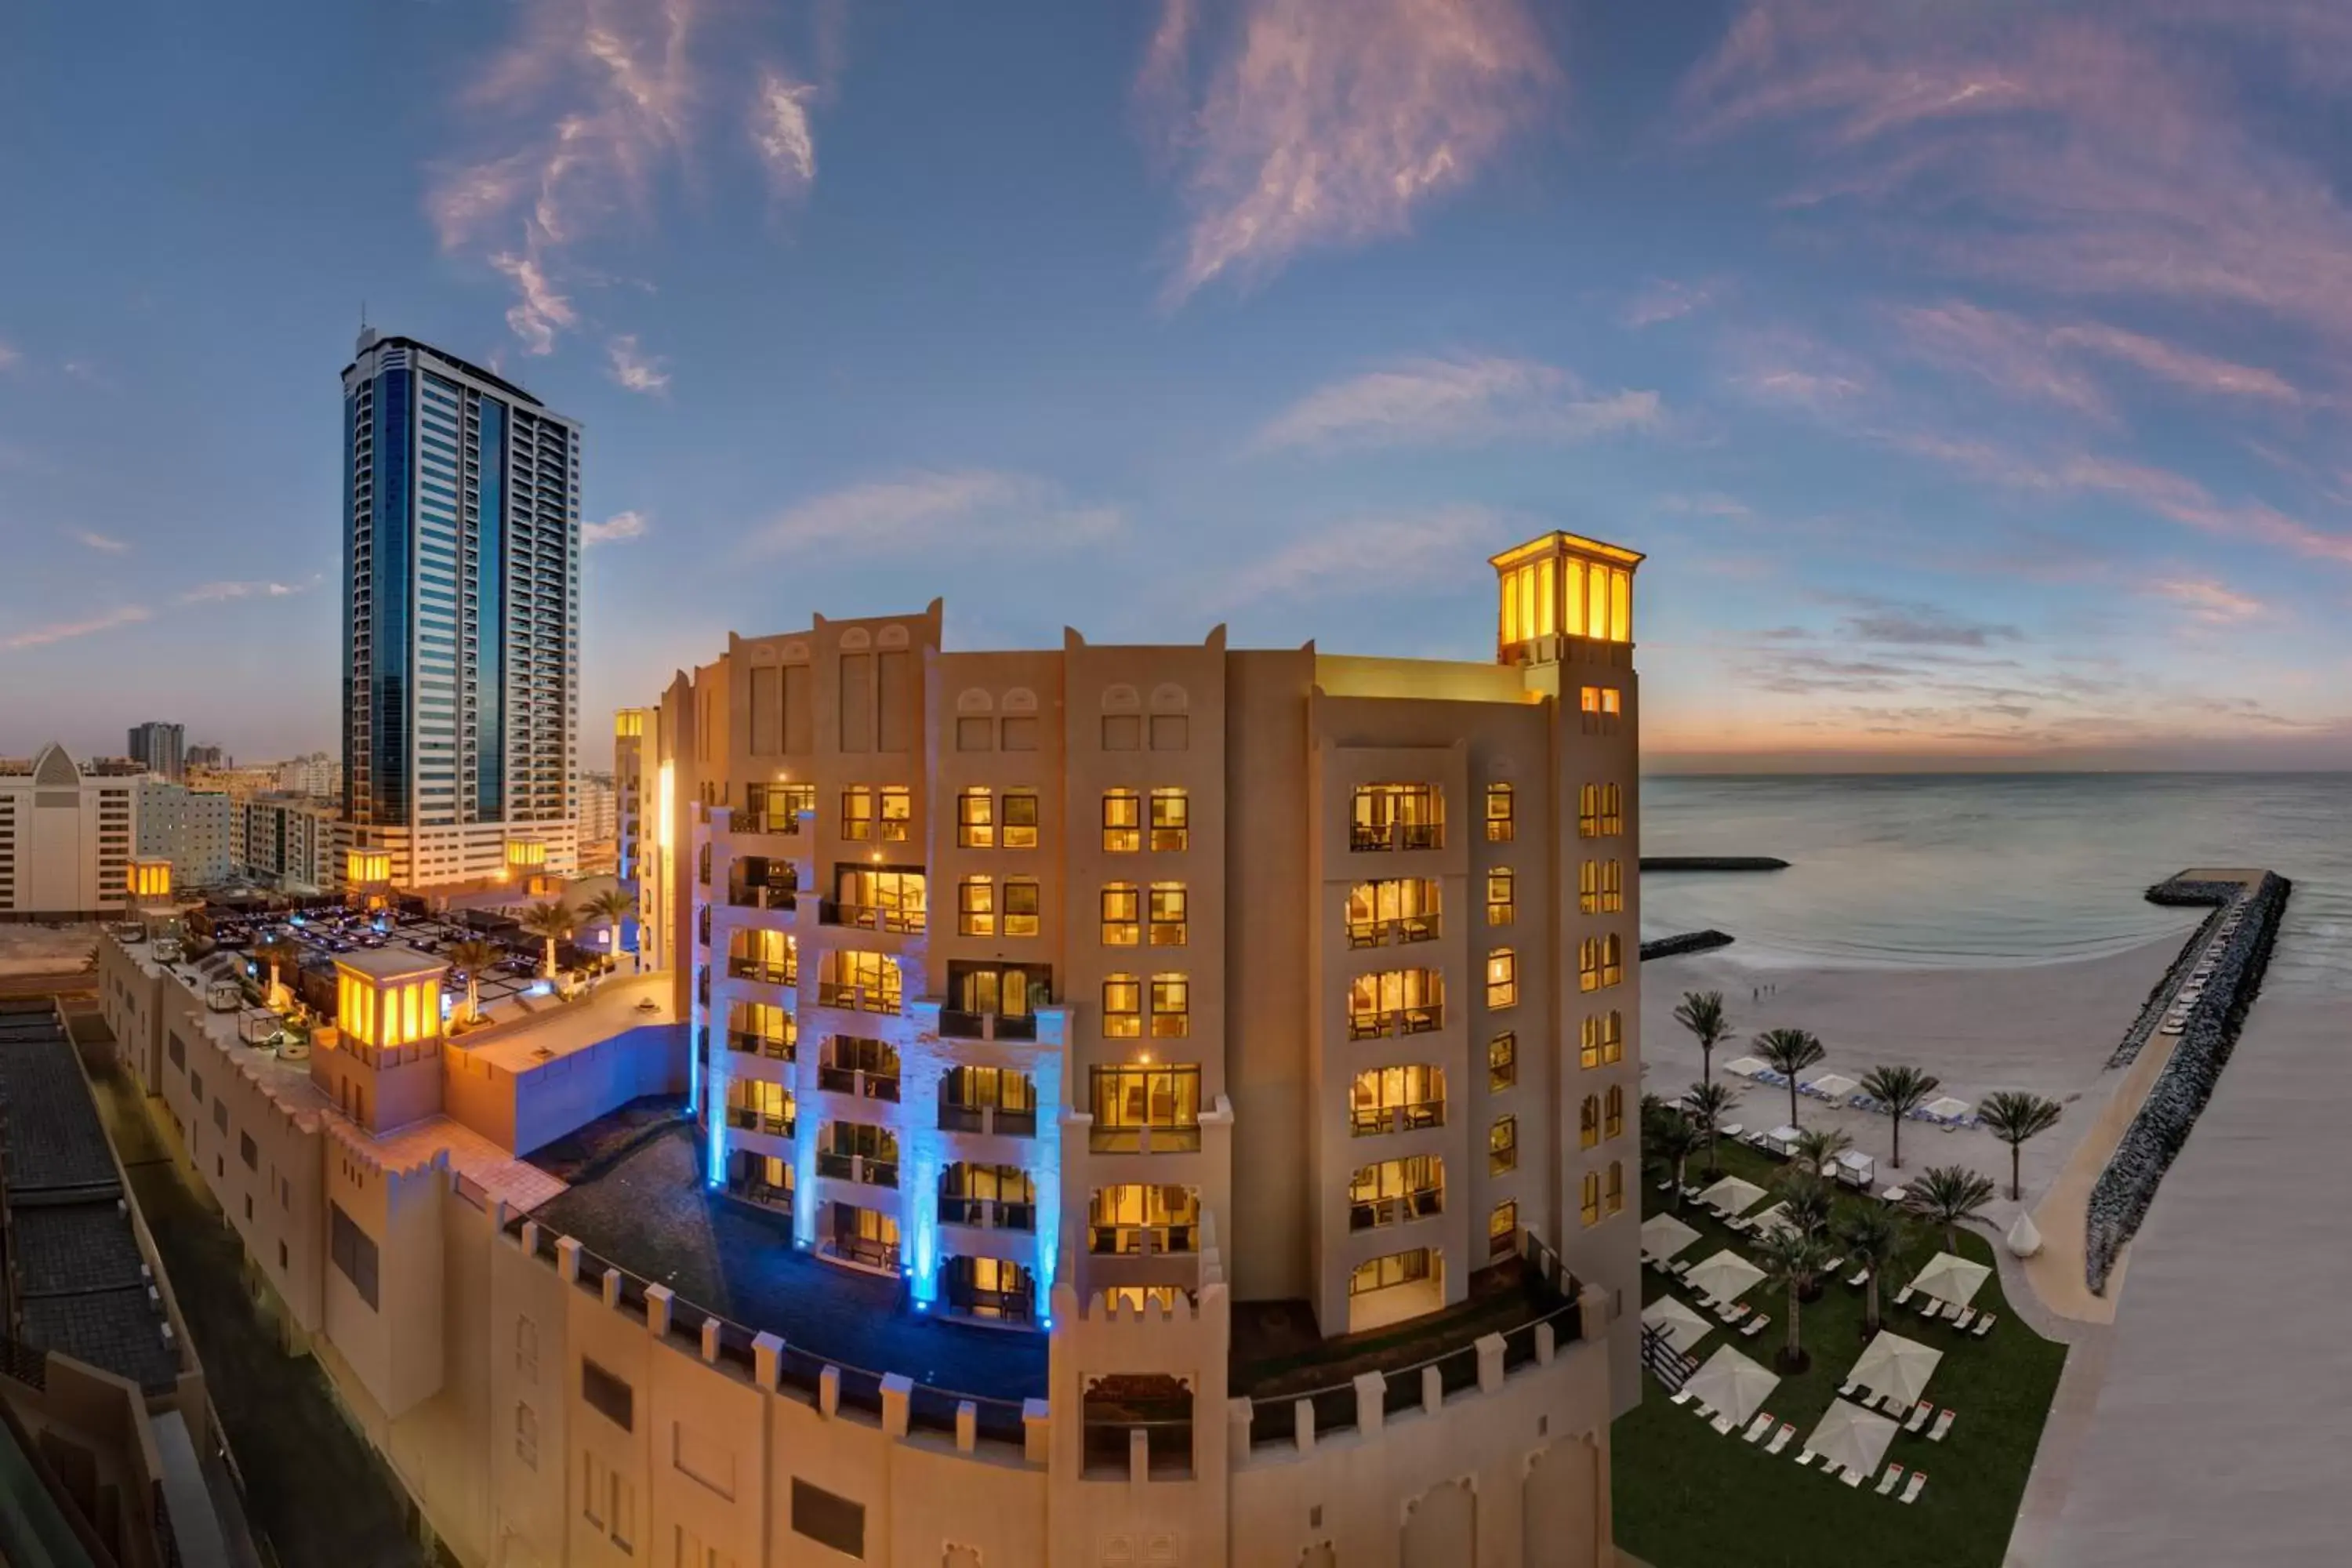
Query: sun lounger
(1756, 1428)
(1967, 1315)
(1919, 1414)
(1731, 1130)
(1889, 1404)
(1931, 1307)
(1805, 1460)
(1984, 1325)
(1722, 1424)
(1890, 1480)
(1682, 1396)
(1861, 1278)
(1666, 1185)
(1855, 1478)
(1831, 1470)
(1943, 1424)
(1754, 1326)
(1906, 1296)
(1781, 1438)
(1919, 1482)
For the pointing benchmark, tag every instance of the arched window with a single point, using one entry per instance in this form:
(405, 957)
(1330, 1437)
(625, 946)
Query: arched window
(1591, 1206)
(1588, 1122)
(1616, 1185)
(1612, 1115)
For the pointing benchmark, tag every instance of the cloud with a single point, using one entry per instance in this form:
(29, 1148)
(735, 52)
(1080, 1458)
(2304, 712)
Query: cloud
(636, 371)
(8, 355)
(1318, 123)
(2010, 354)
(1923, 625)
(963, 508)
(100, 543)
(214, 593)
(1394, 555)
(621, 525)
(1664, 299)
(1457, 400)
(65, 631)
(2184, 368)
(781, 134)
(540, 312)
(1790, 369)
(2208, 602)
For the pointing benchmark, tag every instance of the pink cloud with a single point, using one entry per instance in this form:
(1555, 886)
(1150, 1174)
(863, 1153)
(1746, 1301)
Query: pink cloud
(2010, 354)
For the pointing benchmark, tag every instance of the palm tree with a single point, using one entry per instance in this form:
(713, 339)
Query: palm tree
(551, 923)
(2013, 1119)
(1805, 1200)
(1789, 1052)
(611, 905)
(1949, 1196)
(476, 957)
(1673, 1140)
(1874, 1236)
(1793, 1261)
(1701, 1012)
(1815, 1147)
(1706, 1105)
(1902, 1090)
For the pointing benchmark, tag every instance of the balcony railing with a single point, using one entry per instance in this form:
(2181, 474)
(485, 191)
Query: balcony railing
(1007, 1306)
(766, 973)
(1364, 835)
(958, 1025)
(759, 1122)
(857, 1168)
(1395, 1021)
(871, 917)
(862, 1085)
(988, 1213)
(1170, 1138)
(857, 1249)
(1380, 933)
(763, 897)
(1373, 1121)
(987, 1118)
(766, 1045)
(1398, 1210)
(762, 1193)
(1138, 1240)
(857, 998)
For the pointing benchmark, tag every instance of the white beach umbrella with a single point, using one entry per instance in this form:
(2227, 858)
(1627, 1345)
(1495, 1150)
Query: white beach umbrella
(1682, 1327)
(1662, 1235)
(1771, 1219)
(1732, 1195)
(1893, 1364)
(1837, 1086)
(1744, 1066)
(1852, 1437)
(1732, 1385)
(1946, 1107)
(1949, 1276)
(1724, 1276)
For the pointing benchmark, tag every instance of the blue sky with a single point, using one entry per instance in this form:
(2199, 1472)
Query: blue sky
(1970, 372)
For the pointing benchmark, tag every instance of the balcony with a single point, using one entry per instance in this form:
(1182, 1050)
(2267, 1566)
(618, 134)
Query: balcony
(1395, 1021)
(881, 1256)
(767, 1046)
(868, 917)
(987, 1119)
(763, 897)
(750, 1120)
(988, 1213)
(1171, 1139)
(856, 998)
(1140, 1240)
(766, 973)
(1364, 836)
(859, 1168)
(1405, 1207)
(1372, 1121)
(958, 1025)
(857, 1083)
(1385, 933)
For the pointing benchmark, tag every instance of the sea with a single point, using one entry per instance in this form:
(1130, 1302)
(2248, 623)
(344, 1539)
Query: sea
(1984, 870)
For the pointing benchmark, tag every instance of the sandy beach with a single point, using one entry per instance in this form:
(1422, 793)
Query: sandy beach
(2044, 1028)
(30, 949)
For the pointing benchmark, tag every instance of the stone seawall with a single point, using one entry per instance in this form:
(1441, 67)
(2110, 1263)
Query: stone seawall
(2120, 1198)
(1711, 863)
(1685, 942)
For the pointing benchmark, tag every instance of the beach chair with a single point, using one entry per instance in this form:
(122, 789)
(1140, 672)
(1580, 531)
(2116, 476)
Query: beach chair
(1781, 1438)
(1920, 1413)
(1904, 1297)
(1966, 1315)
(1889, 1404)
(1805, 1460)
(1932, 1308)
(1847, 1392)
(1831, 1470)
(1682, 1396)
(1722, 1424)
(1861, 1278)
(1754, 1326)
(1984, 1325)
(1757, 1427)
(1943, 1424)
(1890, 1480)
(1855, 1478)
(1918, 1483)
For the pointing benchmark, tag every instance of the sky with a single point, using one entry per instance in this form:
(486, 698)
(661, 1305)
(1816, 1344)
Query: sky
(1972, 374)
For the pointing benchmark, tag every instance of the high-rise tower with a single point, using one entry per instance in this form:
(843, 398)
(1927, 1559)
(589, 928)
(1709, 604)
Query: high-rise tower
(461, 552)
(162, 747)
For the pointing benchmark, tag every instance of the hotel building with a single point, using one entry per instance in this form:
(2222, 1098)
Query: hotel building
(66, 836)
(462, 607)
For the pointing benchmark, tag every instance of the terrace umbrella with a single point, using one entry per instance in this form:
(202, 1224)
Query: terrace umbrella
(1731, 1195)
(1949, 1276)
(1731, 1384)
(1662, 1235)
(1744, 1066)
(1835, 1084)
(1852, 1437)
(1681, 1327)
(1893, 1364)
(1724, 1276)
(1775, 1216)
(1946, 1107)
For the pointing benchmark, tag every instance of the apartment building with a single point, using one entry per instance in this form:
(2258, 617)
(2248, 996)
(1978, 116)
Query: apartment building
(66, 837)
(629, 803)
(194, 829)
(287, 841)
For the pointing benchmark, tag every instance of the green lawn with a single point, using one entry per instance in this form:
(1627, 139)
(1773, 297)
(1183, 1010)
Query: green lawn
(1688, 1498)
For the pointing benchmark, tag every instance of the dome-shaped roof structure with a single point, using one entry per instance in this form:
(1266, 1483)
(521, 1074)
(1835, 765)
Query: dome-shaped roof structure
(52, 769)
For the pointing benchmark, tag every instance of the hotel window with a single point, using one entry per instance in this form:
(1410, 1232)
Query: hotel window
(1616, 1185)
(1502, 978)
(1503, 1145)
(1612, 1115)
(1612, 961)
(1168, 926)
(1397, 1099)
(1588, 811)
(1588, 887)
(1021, 906)
(1396, 1002)
(857, 812)
(1502, 1062)
(1589, 1046)
(897, 812)
(1129, 1102)
(1122, 908)
(975, 820)
(1600, 707)
(1500, 826)
(1021, 819)
(1385, 1273)
(1612, 887)
(1503, 1228)
(1612, 1038)
(1397, 816)
(1396, 1191)
(1172, 1007)
(1122, 821)
(1587, 1123)
(1395, 908)
(1613, 810)
(1122, 1008)
(1501, 902)
(1591, 1206)
(1171, 819)
(1128, 1217)
(976, 906)
(1600, 963)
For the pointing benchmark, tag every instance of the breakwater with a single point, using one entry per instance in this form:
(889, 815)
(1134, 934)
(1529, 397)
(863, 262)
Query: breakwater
(1685, 942)
(2120, 1197)
(1711, 863)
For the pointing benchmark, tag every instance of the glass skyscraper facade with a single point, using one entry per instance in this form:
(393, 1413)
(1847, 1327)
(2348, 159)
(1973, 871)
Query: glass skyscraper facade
(461, 529)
